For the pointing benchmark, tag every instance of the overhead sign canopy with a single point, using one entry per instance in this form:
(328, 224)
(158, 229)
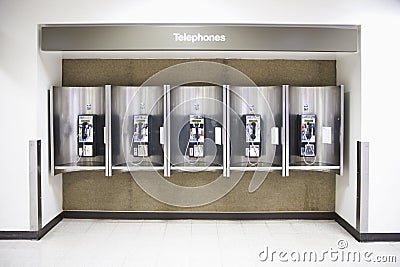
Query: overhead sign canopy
(199, 37)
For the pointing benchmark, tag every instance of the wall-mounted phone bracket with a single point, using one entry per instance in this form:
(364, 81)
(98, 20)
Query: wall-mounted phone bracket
(196, 136)
(87, 135)
(252, 135)
(308, 133)
(141, 135)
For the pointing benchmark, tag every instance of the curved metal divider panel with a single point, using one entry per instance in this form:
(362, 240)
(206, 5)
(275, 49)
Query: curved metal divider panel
(108, 131)
(320, 110)
(70, 106)
(226, 148)
(206, 104)
(141, 103)
(265, 104)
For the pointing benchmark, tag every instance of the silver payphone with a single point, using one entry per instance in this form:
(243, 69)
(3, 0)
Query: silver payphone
(141, 135)
(196, 136)
(253, 135)
(87, 139)
(307, 132)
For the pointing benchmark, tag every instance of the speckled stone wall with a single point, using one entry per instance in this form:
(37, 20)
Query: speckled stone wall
(301, 191)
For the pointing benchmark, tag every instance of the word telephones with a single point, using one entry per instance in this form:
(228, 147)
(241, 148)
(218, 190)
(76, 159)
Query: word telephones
(141, 135)
(253, 135)
(307, 131)
(196, 136)
(87, 137)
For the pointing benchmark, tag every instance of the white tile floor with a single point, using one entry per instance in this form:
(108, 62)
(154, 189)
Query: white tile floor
(195, 243)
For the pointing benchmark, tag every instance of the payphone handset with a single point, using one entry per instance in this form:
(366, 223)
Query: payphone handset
(141, 132)
(196, 136)
(86, 135)
(253, 135)
(308, 133)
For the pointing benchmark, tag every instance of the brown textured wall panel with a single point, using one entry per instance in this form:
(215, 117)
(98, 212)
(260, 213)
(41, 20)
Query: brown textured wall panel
(301, 191)
(293, 72)
(99, 72)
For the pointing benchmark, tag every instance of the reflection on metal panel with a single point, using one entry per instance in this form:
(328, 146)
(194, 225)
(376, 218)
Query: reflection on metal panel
(362, 187)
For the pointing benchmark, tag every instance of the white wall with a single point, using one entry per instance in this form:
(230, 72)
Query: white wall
(49, 73)
(24, 80)
(349, 74)
(18, 104)
(380, 103)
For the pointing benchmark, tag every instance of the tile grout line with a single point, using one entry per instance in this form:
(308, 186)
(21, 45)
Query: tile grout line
(161, 247)
(219, 245)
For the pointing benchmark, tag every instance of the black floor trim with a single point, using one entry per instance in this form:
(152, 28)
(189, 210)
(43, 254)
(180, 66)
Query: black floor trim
(199, 215)
(31, 235)
(18, 235)
(380, 237)
(367, 237)
(361, 237)
(42, 232)
(350, 229)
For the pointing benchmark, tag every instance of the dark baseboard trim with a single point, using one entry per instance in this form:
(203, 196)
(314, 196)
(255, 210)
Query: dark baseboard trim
(199, 215)
(31, 235)
(380, 237)
(42, 232)
(120, 215)
(348, 227)
(367, 237)
(308, 215)
(18, 235)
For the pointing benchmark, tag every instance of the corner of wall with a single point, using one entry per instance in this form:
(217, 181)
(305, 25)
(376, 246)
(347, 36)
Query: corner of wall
(49, 74)
(349, 74)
